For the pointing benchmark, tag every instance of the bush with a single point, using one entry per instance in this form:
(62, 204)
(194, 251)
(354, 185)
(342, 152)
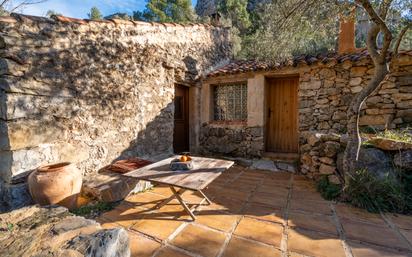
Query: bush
(327, 190)
(391, 194)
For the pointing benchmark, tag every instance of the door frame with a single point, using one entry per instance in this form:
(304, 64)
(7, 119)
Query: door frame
(266, 104)
(186, 111)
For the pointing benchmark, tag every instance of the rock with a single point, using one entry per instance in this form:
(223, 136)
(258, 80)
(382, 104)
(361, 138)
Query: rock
(404, 160)
(327, 160)
(306, 159)
(375, 161)
(333, 179)
(355, 81)
(105, 243)
(329, 149)
(375, 119)
(327, 169)
(53, 231)
(264, 165)
(389, 144)
(330, 137)
(314, 139)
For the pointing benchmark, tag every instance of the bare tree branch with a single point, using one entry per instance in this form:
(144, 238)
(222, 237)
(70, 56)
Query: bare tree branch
(401, 34)
(380, 25)
(25, 3)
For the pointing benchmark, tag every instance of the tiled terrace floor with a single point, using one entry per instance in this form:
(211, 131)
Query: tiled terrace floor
(258, 214)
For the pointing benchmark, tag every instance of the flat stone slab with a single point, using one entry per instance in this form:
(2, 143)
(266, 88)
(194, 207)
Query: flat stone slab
(264, 165)
(284, 166)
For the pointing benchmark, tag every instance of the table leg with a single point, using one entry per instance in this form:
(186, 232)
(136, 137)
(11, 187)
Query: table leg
(182, 202)
(204, 196)
(167, 200)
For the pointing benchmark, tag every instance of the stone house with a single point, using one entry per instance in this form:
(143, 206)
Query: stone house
(296, 109)
(93, 92)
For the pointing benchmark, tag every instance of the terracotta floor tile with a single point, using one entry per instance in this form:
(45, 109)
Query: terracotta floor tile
(273, 190)
(141, 246)
(306, 195)
(264, 212)
(170, 252)
(269, 199)
(145, 200)
(366, 250)
(159, 227)
(225, 204)
(321, 207)
(125, 217)
(320, 223)
(217, 220)
(345, 211)
(407, 234)
(402, 221)
(280, 176)
(239, 247)
(200, 240)
(374, 234)
(314, 244)
(265, 232)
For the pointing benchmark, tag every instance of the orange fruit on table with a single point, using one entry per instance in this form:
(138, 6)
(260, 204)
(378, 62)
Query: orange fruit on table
(183, 158)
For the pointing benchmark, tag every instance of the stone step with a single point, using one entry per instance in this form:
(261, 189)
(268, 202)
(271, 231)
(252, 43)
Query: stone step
(109, 186)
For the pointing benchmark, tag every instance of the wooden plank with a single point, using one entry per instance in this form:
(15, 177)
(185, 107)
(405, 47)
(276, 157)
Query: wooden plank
(282, 125)
(205, 171)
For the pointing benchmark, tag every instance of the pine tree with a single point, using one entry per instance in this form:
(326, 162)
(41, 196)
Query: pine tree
(167, 11)
(95, 14)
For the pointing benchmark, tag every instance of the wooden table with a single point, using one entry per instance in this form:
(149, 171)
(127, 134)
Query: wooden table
(204, 172)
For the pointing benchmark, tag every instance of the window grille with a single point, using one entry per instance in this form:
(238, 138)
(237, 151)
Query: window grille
(230, 102)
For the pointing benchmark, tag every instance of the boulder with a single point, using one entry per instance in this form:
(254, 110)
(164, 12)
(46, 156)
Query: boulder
(325, 169)
(53, 231)
(390, 144)
(404, 159)
(376, 162)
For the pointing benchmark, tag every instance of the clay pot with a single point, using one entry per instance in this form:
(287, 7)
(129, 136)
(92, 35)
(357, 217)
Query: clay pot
(56, 184)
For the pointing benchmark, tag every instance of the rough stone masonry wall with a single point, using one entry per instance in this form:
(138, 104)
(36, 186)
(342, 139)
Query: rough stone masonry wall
(325, 93)
(91, 92)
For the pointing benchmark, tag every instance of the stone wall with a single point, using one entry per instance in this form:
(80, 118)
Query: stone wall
(92, 92)
(232, 141)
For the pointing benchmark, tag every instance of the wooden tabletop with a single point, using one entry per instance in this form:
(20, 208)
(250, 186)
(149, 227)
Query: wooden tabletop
(204, 172)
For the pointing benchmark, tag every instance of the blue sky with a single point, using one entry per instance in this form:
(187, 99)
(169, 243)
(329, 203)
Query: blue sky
(80, 8)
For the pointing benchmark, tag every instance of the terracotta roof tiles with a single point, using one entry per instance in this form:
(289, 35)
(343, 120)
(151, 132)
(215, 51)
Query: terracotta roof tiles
(242, 66)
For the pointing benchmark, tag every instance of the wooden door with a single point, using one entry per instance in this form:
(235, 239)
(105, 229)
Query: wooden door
(282, 115)
(181, 119)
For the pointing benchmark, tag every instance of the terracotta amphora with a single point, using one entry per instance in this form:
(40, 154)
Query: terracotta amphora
(56, 184)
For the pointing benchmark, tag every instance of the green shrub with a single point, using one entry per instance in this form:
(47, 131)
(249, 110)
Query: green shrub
(92, 210)
(390, 194)
(328, 190)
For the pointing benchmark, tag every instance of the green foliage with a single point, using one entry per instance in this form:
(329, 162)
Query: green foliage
(236, 12)
(328, 190)
(391, 194)
(118, 15)
(50, 13)
(95, 14)
(292, 27)
(95, 209)
(180, 11)
(10, 227)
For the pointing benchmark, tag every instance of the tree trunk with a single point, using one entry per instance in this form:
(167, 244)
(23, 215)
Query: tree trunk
(353, 113)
